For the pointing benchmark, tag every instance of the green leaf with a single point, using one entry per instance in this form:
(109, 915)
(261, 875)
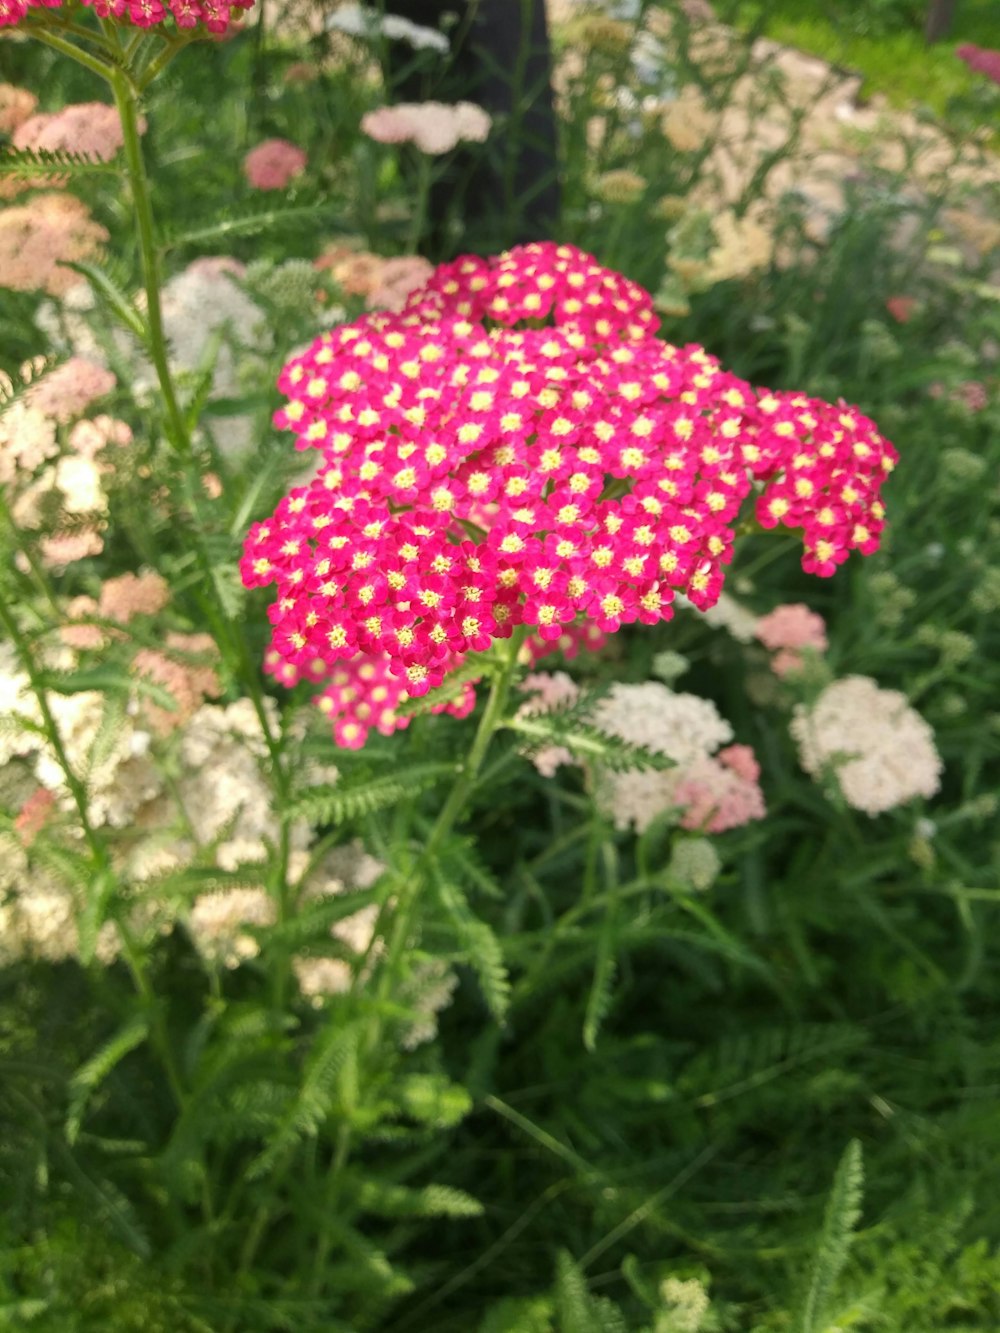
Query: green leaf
(431, 1099)
(843, 1210)
(601, 989)
(519, 1314)
(586, 742)
(481, 948)
(29, 164)
(344, 800)
(250, 222)
(111, 294)
(391, 1200)
(325, 1087)
(89, 1077)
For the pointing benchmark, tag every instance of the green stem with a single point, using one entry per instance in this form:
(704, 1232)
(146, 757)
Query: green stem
(126, 101)
(101, 68)
(455, 802)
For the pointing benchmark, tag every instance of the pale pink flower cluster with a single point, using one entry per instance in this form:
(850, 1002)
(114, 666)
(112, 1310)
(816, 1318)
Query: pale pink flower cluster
(38, 237)
(273, 164)
(720, 792)
(788, 631)
(16, 105)
(433, 127)
(549, 690)
(880, 750)
(65, 392)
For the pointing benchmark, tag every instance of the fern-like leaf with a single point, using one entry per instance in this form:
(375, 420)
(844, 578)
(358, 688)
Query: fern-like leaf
(602, 986)
(449, 690)
(334, 804)
(329, 1059)
(480, 945)
(574, 1308)
(250, 222)
(843, 1210)
(391, 1200)
(89, 1077)
(57, 165)
(111, 294)
(586, 742)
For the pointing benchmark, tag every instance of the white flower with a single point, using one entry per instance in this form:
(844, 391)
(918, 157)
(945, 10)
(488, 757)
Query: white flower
(360, 21)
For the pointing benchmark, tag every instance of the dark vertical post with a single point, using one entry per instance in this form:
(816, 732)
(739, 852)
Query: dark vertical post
(940, 15)
(502, 59)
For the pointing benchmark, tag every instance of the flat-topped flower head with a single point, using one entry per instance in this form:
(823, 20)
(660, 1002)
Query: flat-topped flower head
(214, 16)
(517, 447)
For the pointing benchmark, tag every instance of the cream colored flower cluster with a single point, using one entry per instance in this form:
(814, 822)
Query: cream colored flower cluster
(880, 750)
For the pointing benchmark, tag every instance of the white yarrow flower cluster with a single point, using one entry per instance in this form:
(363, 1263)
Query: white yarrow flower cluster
(362, 21)
(880, 750)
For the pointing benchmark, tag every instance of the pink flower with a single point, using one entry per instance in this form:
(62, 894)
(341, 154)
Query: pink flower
(273, 164)
(515, 447)
(980, 60)
(89, 438)
(215, 15)
(34, 815)
(433, 127)
(787, 630)
(65, 548)
(901, 308)
(716, 796)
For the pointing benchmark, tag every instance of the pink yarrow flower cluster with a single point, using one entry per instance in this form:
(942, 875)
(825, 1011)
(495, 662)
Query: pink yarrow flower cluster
(273, 164)
(214, 16)
(516, 447)
(787, 631)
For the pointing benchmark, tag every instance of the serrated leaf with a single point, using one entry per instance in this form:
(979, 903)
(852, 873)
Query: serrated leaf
(92, 1074)
(342, 801)
(481, 948)
(601, 988)
(449, 690)
(112, 296)
(229, 588)
(328, 1061)
(29, 164)
(431, 1099)
(843, 1210)
(250, 222)
(391, 1200)
(586, 742)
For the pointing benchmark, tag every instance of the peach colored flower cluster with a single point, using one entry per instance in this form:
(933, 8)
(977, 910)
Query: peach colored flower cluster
(184, 670)
(384, 283)
(16, 105)
(39, 237)
(881, 750)
(91, 128)
(273, 164)
(788, 631)
(433, 127)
